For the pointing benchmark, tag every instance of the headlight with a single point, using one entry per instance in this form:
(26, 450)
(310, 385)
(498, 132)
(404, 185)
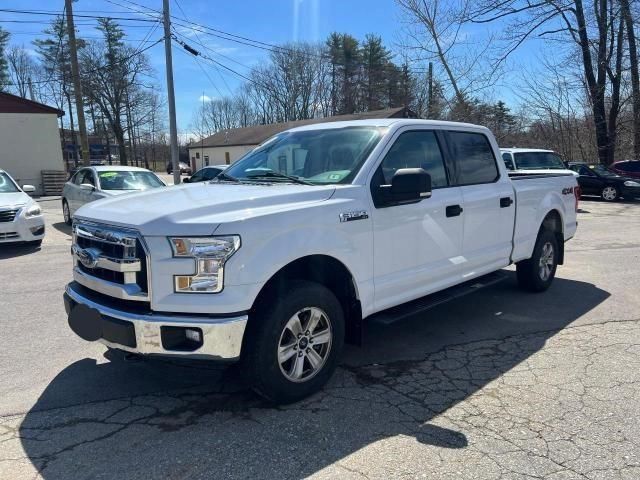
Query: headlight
(210, 254)
(33, 210)
(631, 183)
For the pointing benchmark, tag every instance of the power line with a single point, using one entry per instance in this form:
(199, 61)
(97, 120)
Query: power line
(32, 12)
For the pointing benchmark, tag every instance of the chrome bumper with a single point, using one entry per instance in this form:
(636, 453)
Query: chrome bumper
(221, 337)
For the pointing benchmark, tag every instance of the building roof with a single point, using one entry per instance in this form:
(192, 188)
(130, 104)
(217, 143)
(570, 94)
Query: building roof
(257, 134)
(14, 104)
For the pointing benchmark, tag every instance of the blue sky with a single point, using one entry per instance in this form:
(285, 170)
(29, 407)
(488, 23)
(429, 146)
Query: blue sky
(270, 21)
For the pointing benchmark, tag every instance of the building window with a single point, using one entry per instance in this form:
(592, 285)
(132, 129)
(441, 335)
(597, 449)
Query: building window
(206, 160)
(227, 158)
(197, 155)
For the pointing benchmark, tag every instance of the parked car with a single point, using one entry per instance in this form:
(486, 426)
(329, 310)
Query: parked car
(205, 173)
(94, 183)
(599, 180)
(21, 218)
(627, 168)
(532, 160)
(185, 169)
(280, 260)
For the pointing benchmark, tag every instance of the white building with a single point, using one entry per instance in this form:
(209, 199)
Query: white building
(29, 140)
(227, 146)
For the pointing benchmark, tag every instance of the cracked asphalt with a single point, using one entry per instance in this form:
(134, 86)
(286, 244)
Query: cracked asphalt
(501, 384)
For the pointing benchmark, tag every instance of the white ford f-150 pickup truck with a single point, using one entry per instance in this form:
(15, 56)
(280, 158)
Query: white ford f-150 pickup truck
(278, 261)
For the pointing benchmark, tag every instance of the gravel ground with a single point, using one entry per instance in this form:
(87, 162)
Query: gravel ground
(500, 384)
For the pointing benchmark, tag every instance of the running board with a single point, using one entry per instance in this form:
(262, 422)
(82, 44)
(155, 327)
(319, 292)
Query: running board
(405, 310)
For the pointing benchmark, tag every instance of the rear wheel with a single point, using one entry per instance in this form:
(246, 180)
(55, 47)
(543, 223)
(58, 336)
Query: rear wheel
(537, 273)
(294, 344)
(610, 193)
(66, 214)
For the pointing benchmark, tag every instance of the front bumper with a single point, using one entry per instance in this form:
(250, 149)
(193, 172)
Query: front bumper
(630, 192)
(151, 333)
(22, 229)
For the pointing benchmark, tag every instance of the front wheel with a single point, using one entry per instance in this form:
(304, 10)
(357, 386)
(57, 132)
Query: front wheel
(537, 273)
(294, 344)
(66, 213)
(610, 193)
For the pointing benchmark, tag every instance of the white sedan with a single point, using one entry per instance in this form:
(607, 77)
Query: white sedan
(20, 216)
(93, 183)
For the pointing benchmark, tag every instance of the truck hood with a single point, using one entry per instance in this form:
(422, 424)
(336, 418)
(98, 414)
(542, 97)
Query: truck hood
(198, 209)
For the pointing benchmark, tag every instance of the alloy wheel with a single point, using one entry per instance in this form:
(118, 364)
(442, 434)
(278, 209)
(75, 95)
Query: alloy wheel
(547, 261)
(609, 193)
(305, 344)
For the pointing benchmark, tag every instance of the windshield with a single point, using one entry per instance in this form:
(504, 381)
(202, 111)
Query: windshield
(603, 171)
(538, 161)
(6, 184)
(318, 157)
(133, 180)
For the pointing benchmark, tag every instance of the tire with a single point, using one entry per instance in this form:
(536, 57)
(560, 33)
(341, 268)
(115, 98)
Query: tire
(537, 273)
(280, 365)
(610, 193)
(66, 213)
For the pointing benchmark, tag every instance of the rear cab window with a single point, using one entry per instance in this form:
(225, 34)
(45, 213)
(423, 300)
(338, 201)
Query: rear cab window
(472, 157)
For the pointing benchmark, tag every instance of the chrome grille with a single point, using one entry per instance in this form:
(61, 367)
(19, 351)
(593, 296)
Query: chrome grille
(8, 215)
(110, 260)
(9, 235)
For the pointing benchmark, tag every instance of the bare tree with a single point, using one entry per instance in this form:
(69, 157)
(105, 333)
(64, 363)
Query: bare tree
(21, 69)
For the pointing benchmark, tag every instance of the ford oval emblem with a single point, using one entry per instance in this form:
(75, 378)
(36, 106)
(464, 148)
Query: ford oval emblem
(88, 256)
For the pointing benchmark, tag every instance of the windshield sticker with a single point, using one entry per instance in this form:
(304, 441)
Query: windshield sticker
(108, 174)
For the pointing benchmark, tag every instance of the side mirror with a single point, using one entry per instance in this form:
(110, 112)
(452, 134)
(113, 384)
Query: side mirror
(28, 188)
(87, 186)
(408, 185)
(186, 180)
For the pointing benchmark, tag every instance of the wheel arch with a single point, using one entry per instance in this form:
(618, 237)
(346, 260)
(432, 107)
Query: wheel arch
(327, 271)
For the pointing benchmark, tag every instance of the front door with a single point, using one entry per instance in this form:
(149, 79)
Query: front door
(417, 246)
(489, 203)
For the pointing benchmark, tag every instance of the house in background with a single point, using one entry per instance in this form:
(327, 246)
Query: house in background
(227, 146)
(29, 140)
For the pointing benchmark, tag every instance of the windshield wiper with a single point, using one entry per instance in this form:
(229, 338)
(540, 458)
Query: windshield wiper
(273, 174)
(225, 176)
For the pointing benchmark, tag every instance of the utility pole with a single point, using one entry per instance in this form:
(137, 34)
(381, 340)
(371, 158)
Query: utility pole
(430, 92)
(173, 130)
(77, 86)
(31, 95)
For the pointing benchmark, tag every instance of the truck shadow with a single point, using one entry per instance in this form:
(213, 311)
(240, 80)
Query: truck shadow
(155, 418)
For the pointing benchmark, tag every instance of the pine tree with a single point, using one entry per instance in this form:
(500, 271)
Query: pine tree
(376, 60)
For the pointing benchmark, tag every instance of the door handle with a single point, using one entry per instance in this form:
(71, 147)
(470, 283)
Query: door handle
(453, 210)
(506, 202)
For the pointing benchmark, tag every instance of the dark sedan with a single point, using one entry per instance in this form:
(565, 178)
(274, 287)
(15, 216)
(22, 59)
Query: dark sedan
(627, 168)
(205, 173)
(599, 180)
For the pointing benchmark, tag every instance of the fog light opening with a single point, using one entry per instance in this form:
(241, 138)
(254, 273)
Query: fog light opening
(181, 339)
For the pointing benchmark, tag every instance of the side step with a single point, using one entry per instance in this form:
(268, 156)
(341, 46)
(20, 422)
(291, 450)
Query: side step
(405, 310)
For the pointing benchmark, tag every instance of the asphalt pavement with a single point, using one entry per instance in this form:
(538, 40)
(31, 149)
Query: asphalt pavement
(500, 384)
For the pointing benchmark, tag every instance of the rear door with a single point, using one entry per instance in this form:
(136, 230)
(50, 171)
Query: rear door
(416, 246)
(488, 201)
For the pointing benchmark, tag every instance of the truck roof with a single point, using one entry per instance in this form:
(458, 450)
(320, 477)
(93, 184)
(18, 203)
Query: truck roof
(386, 122)
(525, 150)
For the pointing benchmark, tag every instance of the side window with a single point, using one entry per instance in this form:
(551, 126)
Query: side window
(417, 149)
(210, 173)
(508, 161)
(196, 177)
(78, 177)
(89, 178)
(473, 158)
(585, 171)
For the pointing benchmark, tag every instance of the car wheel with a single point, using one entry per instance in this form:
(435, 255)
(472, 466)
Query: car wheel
(537, 273)
(293, 345)
(66, 214)
(609, 193)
